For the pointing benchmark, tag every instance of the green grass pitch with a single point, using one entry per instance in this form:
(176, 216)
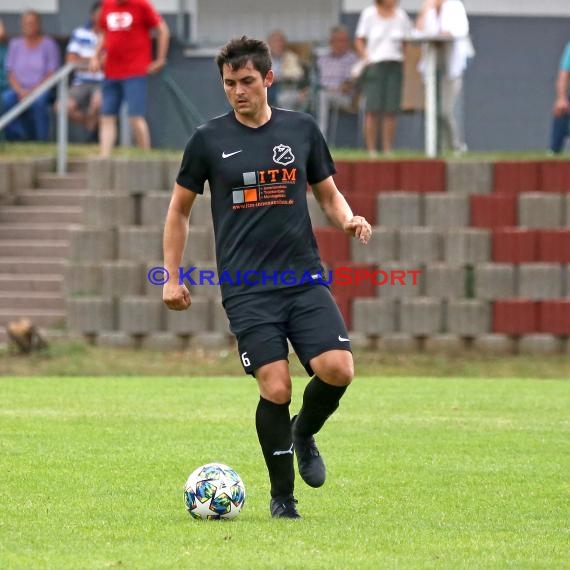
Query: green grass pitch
(422, 473)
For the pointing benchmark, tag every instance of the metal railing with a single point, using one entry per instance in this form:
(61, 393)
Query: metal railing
(188, 113)
(61, 79)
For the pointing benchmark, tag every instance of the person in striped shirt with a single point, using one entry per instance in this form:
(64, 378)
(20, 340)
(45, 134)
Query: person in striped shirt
(85, 93)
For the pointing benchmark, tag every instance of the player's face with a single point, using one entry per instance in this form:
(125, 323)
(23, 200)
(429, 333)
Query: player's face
(246, 89)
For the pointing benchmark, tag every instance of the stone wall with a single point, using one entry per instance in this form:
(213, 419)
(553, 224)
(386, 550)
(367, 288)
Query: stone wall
(492, 242)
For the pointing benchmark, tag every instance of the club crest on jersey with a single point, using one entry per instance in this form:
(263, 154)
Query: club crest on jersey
(119, 21)
(282, 154)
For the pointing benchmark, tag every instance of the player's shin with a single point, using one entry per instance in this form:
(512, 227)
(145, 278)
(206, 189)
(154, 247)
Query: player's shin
(273, 425)
(320, 400)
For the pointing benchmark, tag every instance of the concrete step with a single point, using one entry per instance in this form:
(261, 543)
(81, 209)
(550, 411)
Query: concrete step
(26, 283)
(32, 265)
(39, 317)
(77, 165)
(41, 214)
(71, 181)
(34, 248)
(50, 198)
(26, 231)
(32, 300)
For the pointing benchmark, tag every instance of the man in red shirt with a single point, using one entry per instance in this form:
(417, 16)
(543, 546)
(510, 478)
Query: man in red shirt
(126, 50)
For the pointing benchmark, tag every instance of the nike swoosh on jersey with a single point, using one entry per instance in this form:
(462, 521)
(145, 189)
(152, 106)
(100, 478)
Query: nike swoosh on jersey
(227, 155)
(343, 339)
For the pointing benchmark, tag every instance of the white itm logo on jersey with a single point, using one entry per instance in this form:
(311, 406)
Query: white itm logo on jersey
(119, 21)
(282, 154)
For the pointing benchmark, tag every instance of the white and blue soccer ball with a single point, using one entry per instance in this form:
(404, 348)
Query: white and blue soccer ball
(214, 491)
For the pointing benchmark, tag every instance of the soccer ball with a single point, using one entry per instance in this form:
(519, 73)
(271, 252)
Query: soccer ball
(214, 491)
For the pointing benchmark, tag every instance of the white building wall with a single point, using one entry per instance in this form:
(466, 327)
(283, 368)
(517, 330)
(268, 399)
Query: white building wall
(17, 7)
(297, 9)
(301, 20)
(476, 7)
(485, 7)
(169, 6)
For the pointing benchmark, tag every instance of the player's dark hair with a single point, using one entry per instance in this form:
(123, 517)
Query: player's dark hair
(94, 7)
(237, 52)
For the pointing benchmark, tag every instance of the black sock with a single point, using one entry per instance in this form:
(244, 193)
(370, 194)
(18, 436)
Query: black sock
(320, 400)
(273, 424)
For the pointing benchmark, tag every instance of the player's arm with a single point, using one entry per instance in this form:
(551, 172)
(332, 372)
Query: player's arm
(97, 57)
(16, 86)
(162, 43)
(427, 5)
(81, 62)
(360, 48)
(338, 211)
(176, 296)
(73, 56)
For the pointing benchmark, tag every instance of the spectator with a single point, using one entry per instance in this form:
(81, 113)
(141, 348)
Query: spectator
(379, 35)
(125, 37)
(561, 108)
(336, 85)
(85, 93)
(31, 59)
(449, 19)
(289, 89)
(3, 51)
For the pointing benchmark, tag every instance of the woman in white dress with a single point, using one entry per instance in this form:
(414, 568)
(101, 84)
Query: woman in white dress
(379, 34)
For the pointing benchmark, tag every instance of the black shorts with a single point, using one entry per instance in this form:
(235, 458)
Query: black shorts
(306, 315)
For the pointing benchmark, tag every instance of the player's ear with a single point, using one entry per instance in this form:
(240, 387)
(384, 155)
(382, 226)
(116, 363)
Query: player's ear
(268, 81)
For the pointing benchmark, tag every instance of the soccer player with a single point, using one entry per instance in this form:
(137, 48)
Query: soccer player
(258, 160)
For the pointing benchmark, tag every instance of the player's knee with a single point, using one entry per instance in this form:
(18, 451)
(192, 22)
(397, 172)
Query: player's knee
(339, 374)
(278, 392)
(274, 382)
(335, 367)
(344, 374)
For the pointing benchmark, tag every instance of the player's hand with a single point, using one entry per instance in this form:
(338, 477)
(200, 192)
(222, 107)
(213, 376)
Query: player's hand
(156, 66)
(358, 227)
(176, 297)
(561, 107)
(94, 64)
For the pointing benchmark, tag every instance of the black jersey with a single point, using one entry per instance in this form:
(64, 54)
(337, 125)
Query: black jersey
(258, 181)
